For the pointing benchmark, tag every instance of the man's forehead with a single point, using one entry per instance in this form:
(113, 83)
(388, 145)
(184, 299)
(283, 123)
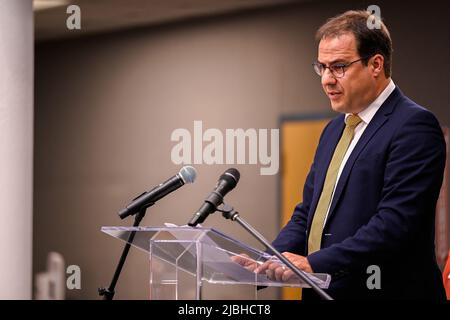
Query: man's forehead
(336, 47)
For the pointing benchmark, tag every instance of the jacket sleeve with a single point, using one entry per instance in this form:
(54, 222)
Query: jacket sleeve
(292, 236)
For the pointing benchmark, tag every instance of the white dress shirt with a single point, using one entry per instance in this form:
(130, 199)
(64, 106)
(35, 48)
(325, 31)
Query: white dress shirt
(366, 116)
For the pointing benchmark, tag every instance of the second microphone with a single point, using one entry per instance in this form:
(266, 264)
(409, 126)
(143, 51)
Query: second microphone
(227, 181)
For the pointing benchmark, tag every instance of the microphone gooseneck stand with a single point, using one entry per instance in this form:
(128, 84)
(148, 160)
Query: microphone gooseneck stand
(108, 293)
(229, 213)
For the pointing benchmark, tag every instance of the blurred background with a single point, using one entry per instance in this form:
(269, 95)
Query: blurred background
(103, 101)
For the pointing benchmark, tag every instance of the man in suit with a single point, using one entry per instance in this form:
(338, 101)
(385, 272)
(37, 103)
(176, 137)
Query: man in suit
(370, 196)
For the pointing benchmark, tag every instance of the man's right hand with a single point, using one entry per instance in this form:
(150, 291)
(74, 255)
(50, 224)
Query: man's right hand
(245, 261)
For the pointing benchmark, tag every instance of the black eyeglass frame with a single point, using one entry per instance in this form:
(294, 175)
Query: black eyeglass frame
(342, 66)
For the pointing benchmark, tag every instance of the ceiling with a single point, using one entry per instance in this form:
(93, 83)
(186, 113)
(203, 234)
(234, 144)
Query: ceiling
(108, 15)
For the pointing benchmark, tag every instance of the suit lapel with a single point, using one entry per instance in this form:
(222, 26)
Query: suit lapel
(371, 129)
(375, 124)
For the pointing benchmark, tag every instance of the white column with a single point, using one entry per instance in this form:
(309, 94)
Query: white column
(16, 148)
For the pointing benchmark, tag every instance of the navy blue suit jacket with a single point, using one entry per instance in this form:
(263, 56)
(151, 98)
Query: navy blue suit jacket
(383, 209)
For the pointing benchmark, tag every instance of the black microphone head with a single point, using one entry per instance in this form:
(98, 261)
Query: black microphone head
(232, 175)
(227, 181)
(188, 174)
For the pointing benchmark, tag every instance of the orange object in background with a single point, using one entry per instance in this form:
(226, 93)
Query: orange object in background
(446, 276)
(298, 145)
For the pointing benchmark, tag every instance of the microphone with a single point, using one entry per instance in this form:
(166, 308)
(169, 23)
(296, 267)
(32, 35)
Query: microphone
(227, 181)
(187, 174)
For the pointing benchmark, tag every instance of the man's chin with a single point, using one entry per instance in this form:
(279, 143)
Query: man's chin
(338, 107)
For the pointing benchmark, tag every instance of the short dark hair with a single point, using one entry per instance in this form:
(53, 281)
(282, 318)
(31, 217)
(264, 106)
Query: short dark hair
(368, 41)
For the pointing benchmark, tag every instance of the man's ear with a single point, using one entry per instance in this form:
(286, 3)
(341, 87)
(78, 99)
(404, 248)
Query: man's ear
(376, 65)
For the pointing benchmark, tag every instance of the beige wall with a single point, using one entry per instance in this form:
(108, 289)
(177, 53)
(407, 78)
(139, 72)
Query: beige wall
(106, 107)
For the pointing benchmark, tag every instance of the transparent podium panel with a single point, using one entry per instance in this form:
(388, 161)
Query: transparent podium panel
(187, 263)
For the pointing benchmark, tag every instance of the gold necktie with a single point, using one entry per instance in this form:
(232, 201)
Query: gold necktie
(315, 234)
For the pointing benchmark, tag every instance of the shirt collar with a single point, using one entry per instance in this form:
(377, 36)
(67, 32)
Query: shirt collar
(367, 114)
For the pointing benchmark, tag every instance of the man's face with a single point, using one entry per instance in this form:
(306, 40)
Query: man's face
(357, 88)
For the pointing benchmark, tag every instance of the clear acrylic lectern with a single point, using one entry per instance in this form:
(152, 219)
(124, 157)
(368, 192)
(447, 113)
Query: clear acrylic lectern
(184, 259)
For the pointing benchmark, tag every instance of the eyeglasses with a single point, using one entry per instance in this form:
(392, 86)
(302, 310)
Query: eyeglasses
(336, 69)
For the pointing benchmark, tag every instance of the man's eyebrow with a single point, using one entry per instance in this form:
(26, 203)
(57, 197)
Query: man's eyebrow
(340, 60)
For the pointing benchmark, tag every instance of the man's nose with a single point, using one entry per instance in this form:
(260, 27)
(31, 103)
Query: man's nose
(328, 78)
